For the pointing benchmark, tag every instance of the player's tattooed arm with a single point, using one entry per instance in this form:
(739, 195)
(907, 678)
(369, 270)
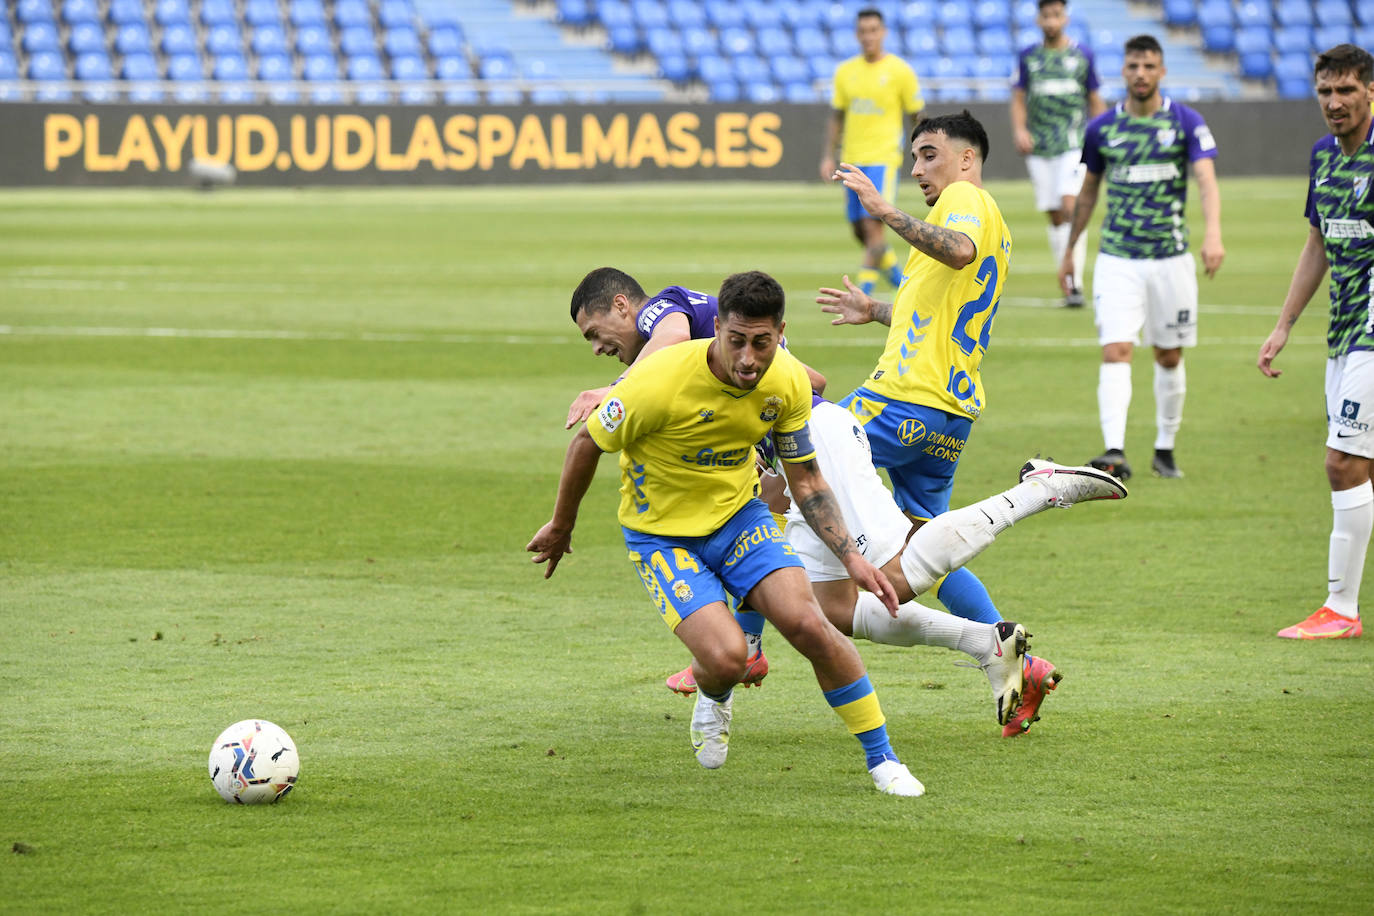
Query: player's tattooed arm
(953, 249)
(818, 506)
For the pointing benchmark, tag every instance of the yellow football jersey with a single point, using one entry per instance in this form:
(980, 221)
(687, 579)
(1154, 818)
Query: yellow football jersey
(874, 97)
(942, 318)
(686, 439)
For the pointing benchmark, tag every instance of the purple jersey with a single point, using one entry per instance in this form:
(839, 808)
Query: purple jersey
(700, 309)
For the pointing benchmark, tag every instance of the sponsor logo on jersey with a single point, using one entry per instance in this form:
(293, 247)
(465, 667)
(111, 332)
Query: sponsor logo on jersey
(611, 414)
(1145, 174)
(1347, 229)
(1057, 87)
(911, 431)
(1349, 418)
(772, 406)
(938, 445)
(726, 458)
(955, 219)
(759, 534)
(707, 416)
(650, 314)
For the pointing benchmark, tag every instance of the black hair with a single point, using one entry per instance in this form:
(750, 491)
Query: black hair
(869, 11)
(752, 294)
(601, 286)
(1346, 58)
(1045, 3)
(962, 126)
(1141, 43)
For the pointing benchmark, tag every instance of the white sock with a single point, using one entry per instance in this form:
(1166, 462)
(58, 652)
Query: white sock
(1113, 403)
(753, 644)
(1170, 387)
(1059, 242)
(1352, 520)
(1080, 258)
(918, 625)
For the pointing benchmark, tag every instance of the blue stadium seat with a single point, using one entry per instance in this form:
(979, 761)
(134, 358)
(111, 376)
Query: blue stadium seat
(183, 68)
(624, 40)
(616, 14)
(86, 37)
(959, 42)
(699, 42)
(1180, 13)
(1294, 12)
(1294, 88)
(178, 39)
(810, 40)
(224, 40)
(1294, 39)
(1332, 12)
(402, 42)
(788, 69)
(460, 97)
(40, 38)
(452, 68)
(319, 68)
(762, 93)
(995, 41)
(408, 68)
(804, 14)
(6, 36)
(357, 41)
(822, 68)
(236, 94)
(74, 11)
(9, 67)
(172, 12)
(760, 15)
(951, 13)
(775, 40)
(837, 17)
(724, 91)
(1219, 39)
(1213, 14)
(1328, 36)
(352, 13)
(992, 13)
(725, 14)
(47, 65)
(800, 93)
(649, 14)
(275, 68)
(661, 40)
(312, 40)
(396, 14)
(1254, 13)
(575, 13)
(218, 12)
(686, 14)
(509, 97)
(1364, 13)
(1294, 67)
(259, 13)
(715, 69)
(843, 44)
(31, 11)
(269, 39)
(229, 68)
(675, 67)
(750, 69)
(139, 68)
(738, 41)
(921, 44)
(127, 12)
(1364, 36)
(445, 42)
(497, 68)
(1254, 39)
(1256, 65)
(307, 12)
(133, 38)
(548, 95)
(1025, 12)
(364, 69)
(93, 66)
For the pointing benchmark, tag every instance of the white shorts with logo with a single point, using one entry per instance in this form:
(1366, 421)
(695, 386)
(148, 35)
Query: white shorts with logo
(1350, 403)
(1055, 177)
(1157, 295)
(870, 513)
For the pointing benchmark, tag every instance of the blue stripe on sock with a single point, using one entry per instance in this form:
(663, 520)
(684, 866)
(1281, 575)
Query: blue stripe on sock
(750, 622)
(849, 692)
(965, 595)
(719, 698)
(876, 746)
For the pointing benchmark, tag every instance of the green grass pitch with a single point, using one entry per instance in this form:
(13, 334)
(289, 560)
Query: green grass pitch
(277, 454)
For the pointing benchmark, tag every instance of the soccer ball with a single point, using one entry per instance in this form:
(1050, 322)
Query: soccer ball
(253, 762)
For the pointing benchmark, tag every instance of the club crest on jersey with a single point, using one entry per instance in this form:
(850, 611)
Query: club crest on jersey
(1361, 185)
(682, 591)
(772, 406)
(611, 414)
(1166, 136)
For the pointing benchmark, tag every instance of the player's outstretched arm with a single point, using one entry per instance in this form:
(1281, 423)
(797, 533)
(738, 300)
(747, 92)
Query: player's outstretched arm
(671, 329)
(579, 467)
(1307, 276)
(853, 305)
(817, 505)
(584, 404)
(1082, 212)
(953, 249)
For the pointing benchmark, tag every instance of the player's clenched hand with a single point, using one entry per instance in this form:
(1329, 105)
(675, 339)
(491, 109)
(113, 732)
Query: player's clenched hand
(869, 577)
(1269, 350)
(583, 405)
(1066, 272)
(549, 545)
(850, 303)
(853, 178)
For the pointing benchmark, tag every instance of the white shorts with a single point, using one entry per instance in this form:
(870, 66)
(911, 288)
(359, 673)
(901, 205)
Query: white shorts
(1158, 295)
(1055, 178)
(1350, 403)
(870, 513)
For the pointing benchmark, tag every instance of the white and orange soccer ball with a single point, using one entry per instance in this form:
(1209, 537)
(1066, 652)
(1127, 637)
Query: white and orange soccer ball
(253, 762)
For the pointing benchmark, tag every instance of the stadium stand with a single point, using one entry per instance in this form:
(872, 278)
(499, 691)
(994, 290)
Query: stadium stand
(556, 51)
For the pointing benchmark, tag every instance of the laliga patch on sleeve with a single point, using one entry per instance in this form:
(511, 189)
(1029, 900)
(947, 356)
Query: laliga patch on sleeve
(1205, 140)
(795, 445)
(611, 414)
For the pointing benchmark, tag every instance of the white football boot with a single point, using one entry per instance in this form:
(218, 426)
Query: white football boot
(1068, 485)
(711, 730)
(1005, 668)
(893, 778)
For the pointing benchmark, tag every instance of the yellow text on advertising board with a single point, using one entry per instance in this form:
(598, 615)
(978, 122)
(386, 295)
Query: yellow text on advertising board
(460, 142)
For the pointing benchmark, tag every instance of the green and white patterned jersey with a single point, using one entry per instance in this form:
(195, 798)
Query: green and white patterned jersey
(1340, 205)
(1056, 82)
(1145, 165)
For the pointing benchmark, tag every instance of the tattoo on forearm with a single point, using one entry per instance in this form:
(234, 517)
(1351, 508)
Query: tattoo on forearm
(941, 244)
(822, 513)
(881, 312)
